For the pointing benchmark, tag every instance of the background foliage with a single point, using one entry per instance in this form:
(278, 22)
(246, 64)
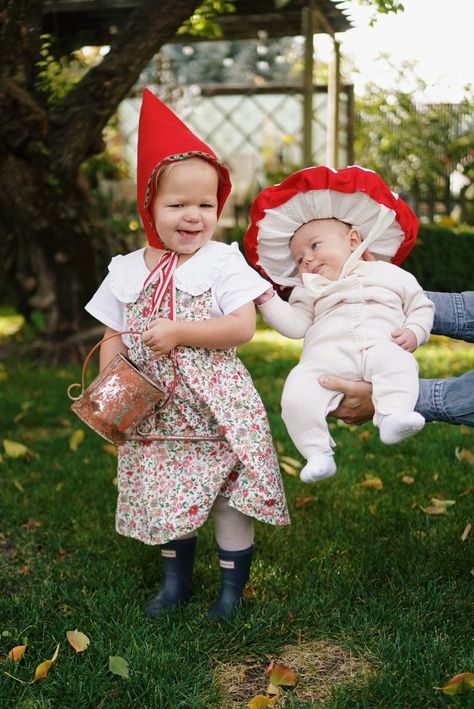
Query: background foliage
(442, 259)
(421, 150)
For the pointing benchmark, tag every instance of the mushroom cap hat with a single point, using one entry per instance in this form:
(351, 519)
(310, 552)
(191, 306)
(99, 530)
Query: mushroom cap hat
(353, 194)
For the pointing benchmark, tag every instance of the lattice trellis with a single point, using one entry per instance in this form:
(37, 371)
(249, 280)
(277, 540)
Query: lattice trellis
(258, 133)
(244, 127)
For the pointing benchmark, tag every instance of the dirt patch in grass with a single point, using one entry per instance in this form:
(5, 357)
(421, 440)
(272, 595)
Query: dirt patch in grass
(319, 666)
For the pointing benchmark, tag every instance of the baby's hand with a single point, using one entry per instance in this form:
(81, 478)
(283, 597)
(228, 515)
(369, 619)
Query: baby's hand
(161, 336)
(268, 295)
(405, 339)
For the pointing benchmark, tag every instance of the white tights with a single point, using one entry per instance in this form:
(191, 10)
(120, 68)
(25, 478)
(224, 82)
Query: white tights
(232, 529)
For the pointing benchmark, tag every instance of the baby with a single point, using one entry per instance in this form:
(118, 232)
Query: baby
(361, 319)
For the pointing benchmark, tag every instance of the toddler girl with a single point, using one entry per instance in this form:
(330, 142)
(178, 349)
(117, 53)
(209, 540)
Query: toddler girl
(210, 449)
(360, 319)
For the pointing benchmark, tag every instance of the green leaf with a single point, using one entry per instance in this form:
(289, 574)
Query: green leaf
(118, 666)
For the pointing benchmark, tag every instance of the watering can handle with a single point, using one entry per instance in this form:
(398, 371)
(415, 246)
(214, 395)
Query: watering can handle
(91, 352)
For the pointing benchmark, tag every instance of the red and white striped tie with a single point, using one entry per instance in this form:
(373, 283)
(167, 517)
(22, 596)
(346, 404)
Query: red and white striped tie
(163, 272)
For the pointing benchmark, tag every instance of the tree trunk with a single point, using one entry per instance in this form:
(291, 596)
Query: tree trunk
(54, 249)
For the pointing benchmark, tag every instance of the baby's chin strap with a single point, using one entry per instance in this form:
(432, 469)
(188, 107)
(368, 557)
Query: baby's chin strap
(163, 273)
(384, 219)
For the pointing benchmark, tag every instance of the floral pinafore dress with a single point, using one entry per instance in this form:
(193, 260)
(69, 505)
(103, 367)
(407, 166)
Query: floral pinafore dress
(166, 488)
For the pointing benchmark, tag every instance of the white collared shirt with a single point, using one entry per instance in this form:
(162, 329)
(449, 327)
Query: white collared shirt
(218, 267)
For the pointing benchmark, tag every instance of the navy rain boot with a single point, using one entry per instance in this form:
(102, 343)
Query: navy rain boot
(235, 571)
(178, 562)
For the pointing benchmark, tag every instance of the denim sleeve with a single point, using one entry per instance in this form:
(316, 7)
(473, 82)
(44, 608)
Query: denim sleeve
(450, 400)
(454, 314)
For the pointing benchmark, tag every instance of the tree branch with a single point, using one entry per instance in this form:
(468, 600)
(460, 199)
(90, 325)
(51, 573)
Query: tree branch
(76, 122)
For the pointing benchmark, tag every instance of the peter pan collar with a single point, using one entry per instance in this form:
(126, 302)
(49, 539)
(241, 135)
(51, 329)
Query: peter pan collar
(195, 276)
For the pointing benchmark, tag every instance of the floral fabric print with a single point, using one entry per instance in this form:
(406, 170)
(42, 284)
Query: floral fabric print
(167, 488)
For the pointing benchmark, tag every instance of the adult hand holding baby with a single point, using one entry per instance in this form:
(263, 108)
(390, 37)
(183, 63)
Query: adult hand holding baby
(356, 407)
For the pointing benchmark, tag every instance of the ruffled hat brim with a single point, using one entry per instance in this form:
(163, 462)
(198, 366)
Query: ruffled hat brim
(353, 194)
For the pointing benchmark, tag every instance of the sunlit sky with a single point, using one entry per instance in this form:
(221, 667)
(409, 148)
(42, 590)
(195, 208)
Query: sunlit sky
(437, 34)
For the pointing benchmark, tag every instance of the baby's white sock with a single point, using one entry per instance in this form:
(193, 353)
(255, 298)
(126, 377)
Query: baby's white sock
(318, 467)
(395, 427)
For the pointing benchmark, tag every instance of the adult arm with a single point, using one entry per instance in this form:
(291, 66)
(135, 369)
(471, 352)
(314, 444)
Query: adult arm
(454, 314)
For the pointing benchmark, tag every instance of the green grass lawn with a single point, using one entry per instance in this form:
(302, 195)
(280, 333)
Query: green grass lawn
(368, 598)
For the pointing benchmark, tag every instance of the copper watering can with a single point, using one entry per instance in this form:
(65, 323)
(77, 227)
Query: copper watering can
(119, 398)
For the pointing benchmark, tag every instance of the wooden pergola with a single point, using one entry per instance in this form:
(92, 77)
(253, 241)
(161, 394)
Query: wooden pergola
(77, 23)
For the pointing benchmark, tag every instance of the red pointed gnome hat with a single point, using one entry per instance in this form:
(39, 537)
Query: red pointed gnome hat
(352, 194)
(164, 138)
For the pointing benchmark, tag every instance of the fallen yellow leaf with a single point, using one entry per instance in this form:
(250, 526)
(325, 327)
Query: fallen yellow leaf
(110, 448)
(17, 652)
(260, 701)
(372, 482)
(291, 461)
(442, 503)
(281, 675)
(463, 454)
(272, 689)
(32, 524)
(300, 501)
(43, 668)
(76, 439)
(289, 469)
(434, 510)
(16, 450)
(79, 641)
(364, 435)
(467, 531)
(459, 684)
(408, 480)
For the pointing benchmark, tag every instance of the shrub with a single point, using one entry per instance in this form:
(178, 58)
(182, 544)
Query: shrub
(443, 259)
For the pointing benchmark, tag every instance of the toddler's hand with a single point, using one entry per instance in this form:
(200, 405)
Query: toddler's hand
(405, 339)
(161, 336)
